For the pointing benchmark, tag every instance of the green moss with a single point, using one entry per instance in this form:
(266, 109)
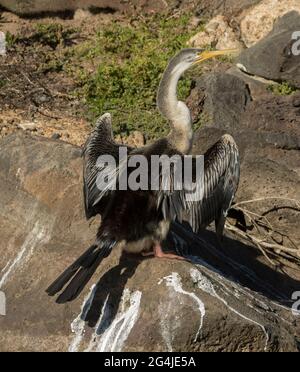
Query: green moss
(284, 89)
(131, 60)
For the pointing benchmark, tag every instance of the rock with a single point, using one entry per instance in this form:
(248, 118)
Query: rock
(195, 22)
(2, 44)
(174, 306)
(217, 33)
(40, 98)
(296, 100)
(28, 126)
(277, 115)
(258, 86)
(81, 14)
(134, 139)
(229, 8)
(267, 131)
(258, 21)
(226, 101)
(56, 136)
(39, 6)
(259, 59)
(4, 131)
(221, 100)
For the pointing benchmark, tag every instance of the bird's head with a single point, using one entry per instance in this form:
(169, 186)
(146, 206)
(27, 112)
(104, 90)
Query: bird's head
(168, 104)
(187, 58)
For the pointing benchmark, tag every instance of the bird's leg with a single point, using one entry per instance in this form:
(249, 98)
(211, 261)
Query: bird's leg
(158, 252)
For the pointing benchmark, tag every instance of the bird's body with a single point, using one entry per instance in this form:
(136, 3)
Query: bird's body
(138, 221)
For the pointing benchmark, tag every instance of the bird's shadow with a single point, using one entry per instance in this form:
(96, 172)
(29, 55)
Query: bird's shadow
(232, 260)
(108, 293)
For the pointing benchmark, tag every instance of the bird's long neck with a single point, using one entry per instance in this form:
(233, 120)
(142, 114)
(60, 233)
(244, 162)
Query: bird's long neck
(175, 111)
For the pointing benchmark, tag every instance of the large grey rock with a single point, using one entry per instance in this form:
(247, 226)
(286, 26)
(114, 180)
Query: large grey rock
(145, 305)
(272, 57)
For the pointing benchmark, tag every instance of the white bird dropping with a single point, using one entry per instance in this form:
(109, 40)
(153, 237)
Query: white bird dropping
(2, 44)
(2, 303)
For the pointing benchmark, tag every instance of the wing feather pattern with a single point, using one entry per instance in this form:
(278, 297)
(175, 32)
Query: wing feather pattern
(221, 177)
(100, 142)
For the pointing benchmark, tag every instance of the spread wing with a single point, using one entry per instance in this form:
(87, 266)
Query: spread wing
(219, 185)
(99, 143)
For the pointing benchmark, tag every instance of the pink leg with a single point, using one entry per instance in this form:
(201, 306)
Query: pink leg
(158, 252)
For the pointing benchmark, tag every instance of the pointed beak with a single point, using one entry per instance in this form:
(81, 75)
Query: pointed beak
(212, 54)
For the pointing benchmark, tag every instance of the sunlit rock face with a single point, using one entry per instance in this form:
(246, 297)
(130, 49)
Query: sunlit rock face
(217, 33)
(131, 304)
(258, 21)
(277, 56)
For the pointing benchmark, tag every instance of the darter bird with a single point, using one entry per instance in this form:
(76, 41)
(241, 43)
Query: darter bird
(138, 221)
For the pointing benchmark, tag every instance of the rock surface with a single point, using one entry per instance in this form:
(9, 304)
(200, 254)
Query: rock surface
(135, 139)
(195, 307)
(217, 34)
(259, 60)
(225, 101)
(266, 127)
(228, 8)
(220, 98)
(257, 22)
(228, 299)
(28, 7)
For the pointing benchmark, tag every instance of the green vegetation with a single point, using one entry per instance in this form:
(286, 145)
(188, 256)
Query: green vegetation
(52, 34)
(10, 40)
(130, 62)
(118, 69)
(3, 82)
(284, 89)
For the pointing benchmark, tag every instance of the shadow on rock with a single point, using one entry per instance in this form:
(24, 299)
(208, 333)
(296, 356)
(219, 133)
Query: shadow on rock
(233, 260)
(108, 293)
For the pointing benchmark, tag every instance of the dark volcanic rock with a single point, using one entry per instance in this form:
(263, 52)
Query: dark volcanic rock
(277, 117)
(225, 101)
(257, 86)
(272, 57)
(133, 304)
(221, 99)
(267, 131)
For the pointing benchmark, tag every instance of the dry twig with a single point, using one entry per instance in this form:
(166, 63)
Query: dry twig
(264, 237)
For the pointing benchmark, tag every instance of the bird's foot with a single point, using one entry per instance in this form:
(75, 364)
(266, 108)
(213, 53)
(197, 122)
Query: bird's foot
(158, 253)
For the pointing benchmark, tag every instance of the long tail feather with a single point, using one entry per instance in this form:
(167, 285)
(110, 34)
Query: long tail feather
(80, 272)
